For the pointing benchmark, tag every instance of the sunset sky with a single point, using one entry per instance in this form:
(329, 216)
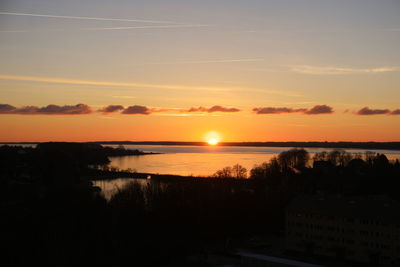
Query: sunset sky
(169, 70)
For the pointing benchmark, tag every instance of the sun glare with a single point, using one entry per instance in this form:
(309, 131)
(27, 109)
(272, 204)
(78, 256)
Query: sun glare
(212, 138)
(212, 141)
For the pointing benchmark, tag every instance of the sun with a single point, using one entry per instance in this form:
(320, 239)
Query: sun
(212, 138)
(212, 141)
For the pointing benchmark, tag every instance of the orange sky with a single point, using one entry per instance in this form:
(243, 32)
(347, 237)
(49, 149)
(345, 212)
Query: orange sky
(176, 70)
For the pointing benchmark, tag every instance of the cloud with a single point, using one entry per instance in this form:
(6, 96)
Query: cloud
(124, 96)
(112, 28)
(143, 85)
(111, 108)
(395, 112)
(6, 109)
(208, 61)
(216, 108)
(136, 109)
(71, 110)
(368, 111)
(329, 70)
(318, 109)
(222, 109)
(109, 83)
(78, 109)
(273, 110)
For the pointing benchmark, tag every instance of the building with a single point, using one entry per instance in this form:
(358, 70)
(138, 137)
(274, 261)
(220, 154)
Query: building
(364, 230)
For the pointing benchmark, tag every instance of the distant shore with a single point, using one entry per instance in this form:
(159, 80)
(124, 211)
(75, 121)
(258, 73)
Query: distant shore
(328, 145)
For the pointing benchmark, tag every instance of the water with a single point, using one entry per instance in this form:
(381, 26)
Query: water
(111, 187)
(206, 160)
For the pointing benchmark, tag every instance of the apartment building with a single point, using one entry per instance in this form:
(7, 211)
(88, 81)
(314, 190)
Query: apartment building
(362, 229)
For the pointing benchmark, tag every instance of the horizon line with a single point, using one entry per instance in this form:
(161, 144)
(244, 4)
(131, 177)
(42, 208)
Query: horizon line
(205, 142)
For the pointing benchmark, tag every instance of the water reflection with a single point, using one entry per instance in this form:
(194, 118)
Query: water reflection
(198, 164)
(204, 161)
(111, 187)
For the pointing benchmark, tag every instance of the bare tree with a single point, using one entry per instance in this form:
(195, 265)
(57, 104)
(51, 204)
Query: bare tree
(224, 173)
(238, 171)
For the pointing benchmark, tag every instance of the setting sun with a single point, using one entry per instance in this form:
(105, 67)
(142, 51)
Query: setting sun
(213, 141)
(212, 138)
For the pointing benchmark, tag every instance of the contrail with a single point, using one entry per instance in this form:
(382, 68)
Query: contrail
(209, 61)
(108, 83)
(144, 85)
(86, 18)
(326, 70)
(113, 28)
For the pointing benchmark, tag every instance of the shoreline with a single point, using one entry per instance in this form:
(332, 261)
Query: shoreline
(327, 145)
(99, 175)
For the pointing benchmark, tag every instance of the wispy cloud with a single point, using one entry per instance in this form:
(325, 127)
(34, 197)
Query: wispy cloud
(216, 108)
(124, 96)
(111, 28)
(83, 109)
(366, 111)
(78, 109)
(275, 110)
(208, 61)
(395, 112)
(319, 109)
(110, 83)
(143, 85)
(316, 110)
(144, 110)
(326, 70)
(318, 31)
(136, 109)
(111, 108)
(87, 18)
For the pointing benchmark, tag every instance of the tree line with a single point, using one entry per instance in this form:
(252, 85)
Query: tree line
(297, 160)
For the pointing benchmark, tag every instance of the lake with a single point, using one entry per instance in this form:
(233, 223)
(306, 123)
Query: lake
(112, 186)
(206, 160)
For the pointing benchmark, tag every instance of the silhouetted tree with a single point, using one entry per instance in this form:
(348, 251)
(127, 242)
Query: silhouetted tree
(236, 171)
(321, 156)
(293, 159)
(239, 172)
(225, 172)
(381, 162)
(268, 171)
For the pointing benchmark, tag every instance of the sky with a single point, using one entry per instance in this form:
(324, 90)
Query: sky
(169, 70)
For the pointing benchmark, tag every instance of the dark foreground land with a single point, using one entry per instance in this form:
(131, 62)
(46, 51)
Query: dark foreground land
(51, 213)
